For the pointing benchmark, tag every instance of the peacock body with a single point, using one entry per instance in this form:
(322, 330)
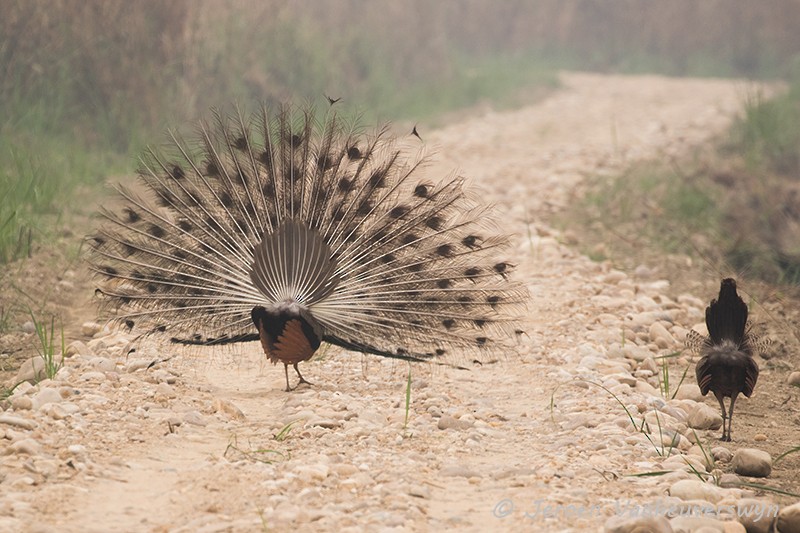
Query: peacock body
(293, 230)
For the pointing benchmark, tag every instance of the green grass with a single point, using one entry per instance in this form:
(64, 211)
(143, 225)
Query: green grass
(667, 391)
(50, 352)
(408, 398)
(504, 80)
(768, 134)
(735, 207)
(40, 175)
(788, 452)
(283, 434)
(649, 204)
(235, 452)
(643, 427)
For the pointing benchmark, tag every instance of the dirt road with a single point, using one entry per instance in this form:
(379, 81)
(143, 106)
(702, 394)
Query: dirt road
(208, 441)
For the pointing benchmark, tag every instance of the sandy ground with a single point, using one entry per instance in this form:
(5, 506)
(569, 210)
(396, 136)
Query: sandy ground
(208, 440)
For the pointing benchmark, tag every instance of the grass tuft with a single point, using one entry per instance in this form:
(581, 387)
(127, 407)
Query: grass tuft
(234, 452)
(643, 428)
(408, 398)
(53, 359)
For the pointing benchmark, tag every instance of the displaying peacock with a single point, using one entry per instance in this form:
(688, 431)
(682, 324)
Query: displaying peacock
(296, 228)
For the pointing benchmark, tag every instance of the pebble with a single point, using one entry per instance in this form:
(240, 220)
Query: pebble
(90, 329)
(697, 524)
(24, 446)
(636, 353)
(221, 405)
(195, 418)
(689, 391)
(645, 524)
(659, 333)
(448, 422)
(77, 348)
(694, 489)
(789, 519)
(163, 376)
(458, 471)
(752, 462)
(77, 449)
(326, 423)
(729, 526)
(137, 364)
(45, 396)
(372, 418)
(704, 417)
(16, 421)
(794, 379)
(166, 390)
(103, 364)
(728, 480)
(94, 375)
(312, 473)
(722, 454)
(757, 516)
(344, 469)
(21, 403)
(683, 462)
(33, 370)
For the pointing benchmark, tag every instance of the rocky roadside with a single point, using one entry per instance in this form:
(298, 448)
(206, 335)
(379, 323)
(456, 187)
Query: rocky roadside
(565, 434)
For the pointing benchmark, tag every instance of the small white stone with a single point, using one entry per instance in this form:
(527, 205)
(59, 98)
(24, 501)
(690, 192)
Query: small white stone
(312, 473)
(93, 376)
(689, 391)
(166, 390)
(194, 418)
(626, 524)
(137, 364)
(694, 489)
(33, 370)
(698, 524)
(77, 348)
(636, 353)
(103, 364)
(45, 396)
(76, 449)
(794, 379)
(90, 329)
(448, 422)
(222, 405)
(658, 332)
(372, 418)
(458, 471)
(17, 421)
(21, 403)
(420, 491)
(729, 526)
(24, 446)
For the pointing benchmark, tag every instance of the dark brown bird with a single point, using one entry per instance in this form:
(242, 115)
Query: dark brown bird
(293, 230)
(726, 367)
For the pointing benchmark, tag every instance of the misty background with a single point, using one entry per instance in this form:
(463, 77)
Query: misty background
(85, 84)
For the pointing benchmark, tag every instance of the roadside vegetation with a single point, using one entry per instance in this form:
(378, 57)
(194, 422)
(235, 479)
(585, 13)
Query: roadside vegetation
(734, 206)
(85, 84)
